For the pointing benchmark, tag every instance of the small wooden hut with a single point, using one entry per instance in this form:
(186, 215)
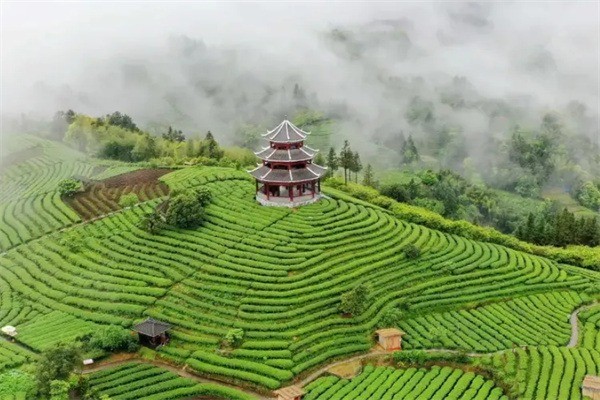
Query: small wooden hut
(390, 338)
(591, 387)
(152, 333)
(290, 393)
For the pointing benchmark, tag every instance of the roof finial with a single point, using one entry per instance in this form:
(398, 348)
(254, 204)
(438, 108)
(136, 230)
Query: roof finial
(285, 117)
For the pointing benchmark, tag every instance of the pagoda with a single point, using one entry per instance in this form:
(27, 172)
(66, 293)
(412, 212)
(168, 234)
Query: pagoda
(287, 175)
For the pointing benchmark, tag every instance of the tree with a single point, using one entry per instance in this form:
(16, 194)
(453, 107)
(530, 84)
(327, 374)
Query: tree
(332, 162)
(190, 150)
(122, 120)
(152, 222)
(355, 301)
(129, 199)
(203, 195)
(588, 195)
(346, 159)
(356, 166)
(212, 149)
(60, 123)
(56, 363)
(319, 159)
(144, 149)
(185, 211)
(68, 187)
(80, 132)
(397, 192)
(368, 178)
(173, 135)
(409, 151)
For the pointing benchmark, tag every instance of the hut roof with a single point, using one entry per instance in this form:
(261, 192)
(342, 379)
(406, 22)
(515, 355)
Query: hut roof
(591, 382)
(388, 332)
(151, 327)
(286, 132)
(301, 154)
(290, 392)
(266, 174)
(9, 330)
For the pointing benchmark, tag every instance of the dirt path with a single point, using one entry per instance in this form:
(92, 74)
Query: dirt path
(320, 371)
(574, 319)
(179, 371)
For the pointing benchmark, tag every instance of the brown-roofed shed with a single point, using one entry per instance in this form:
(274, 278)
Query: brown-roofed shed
(591, 387)
(390, 338)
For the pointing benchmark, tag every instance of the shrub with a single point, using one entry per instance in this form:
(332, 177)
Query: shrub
(418, 357)
(152, 222)
(68, 187)
(72, 241)
(411, 251)
(234, 337)
(391, 317)
(113, 338)
(356, 300)
(128, 200)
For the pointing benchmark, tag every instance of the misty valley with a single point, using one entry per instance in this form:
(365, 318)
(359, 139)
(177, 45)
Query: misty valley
(300, 201)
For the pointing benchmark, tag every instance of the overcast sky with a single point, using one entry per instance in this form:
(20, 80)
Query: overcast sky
(75, 54)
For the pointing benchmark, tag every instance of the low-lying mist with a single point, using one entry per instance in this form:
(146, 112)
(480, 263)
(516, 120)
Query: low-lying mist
(475, 68)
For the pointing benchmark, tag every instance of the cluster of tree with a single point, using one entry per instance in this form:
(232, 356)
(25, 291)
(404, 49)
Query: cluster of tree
(404, 147)
(588, 195)
(54, 378)
(348, 160)
(116, 136)
(559, 228)
(446, 193)
(53, 370)
(536, 156)
(173, 135)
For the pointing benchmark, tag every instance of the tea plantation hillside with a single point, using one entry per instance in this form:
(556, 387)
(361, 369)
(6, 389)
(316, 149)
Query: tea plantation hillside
(278, 275)
(30, 204)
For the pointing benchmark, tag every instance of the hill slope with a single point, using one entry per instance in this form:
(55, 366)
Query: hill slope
(278, 274)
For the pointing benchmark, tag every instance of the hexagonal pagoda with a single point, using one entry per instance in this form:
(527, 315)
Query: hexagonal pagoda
(287, 175)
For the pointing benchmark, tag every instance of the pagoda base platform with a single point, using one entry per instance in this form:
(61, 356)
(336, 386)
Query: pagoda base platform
(286, 202)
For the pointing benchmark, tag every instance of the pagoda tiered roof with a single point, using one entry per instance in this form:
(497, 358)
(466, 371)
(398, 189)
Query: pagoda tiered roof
(310, 172)
(304, 153)
(286, 132)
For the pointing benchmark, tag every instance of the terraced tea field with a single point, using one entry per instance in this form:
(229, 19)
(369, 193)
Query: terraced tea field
(545, 372)
(142, 381)
(30, 205)
(437, 383)
(278, 275)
